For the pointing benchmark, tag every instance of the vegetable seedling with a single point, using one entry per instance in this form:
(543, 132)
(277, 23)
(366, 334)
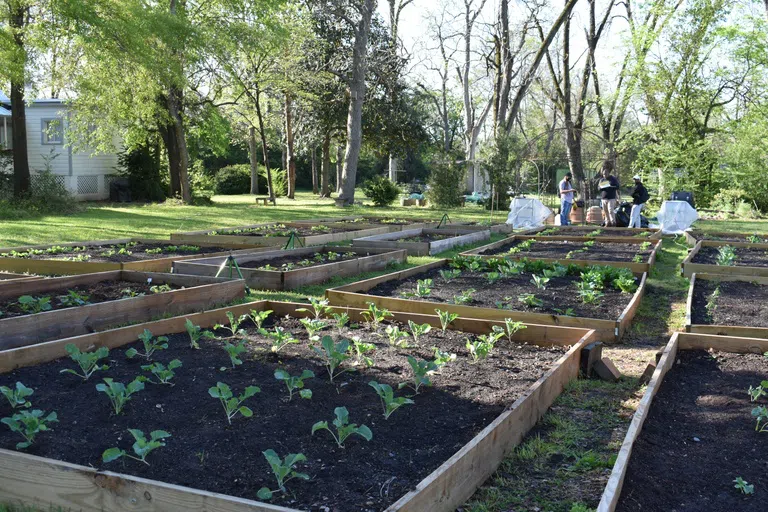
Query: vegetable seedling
(196, 333)
(726, 255)
(280, 338)
(375, 315)
(142, 447)
(259, 317)
(344, 429)
(342, 319)
(333, 354)
(540, 282)
(320, 308)
(443, 358)
(743, 486)
(482, 347)
(29, 424)
(162, 373)
(396, 336)
(151, 345)
(73, 298)
(234, 325)
(233, 404)
(421, 372)
(18, 395)
(530, 300)
(118, 393)
(510, 328)
(158, 288)
(625, 283)
(283, 469)
(761, 416)
(418, 330)
(295, 382)
(388, 399)
(464, 297)
(87, 361)
(446, 317)
(234, 352)
(359, 349)
(31, 305)
(449, 275)
(755, 393)
(313, 326)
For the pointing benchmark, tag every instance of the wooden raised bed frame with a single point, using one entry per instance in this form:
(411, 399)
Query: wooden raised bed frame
(679, 341)
(692, 240)
(8, 276)
(618, 234)
(391, 241)
(61, 267)
(368, 260)
(637, 268)
(354, 295)
(728, 330)
(200, 293)
(427, 224)
(45, 482)
(688, 268)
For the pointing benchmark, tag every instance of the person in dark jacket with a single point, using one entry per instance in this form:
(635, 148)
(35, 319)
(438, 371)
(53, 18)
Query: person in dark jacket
(640, 196)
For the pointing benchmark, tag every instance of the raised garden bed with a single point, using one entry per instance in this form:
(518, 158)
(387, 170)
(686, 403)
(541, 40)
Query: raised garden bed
(287, 270)
(730, 305)
(490, 291)
(365, 222)
(149, 255)
(279, 234)
(211, 465)
(8, 276)
(636, 255)
(423, 242)
(730, 258)
(693, 433)
(695, 235)
(596, 232)
(45, 309)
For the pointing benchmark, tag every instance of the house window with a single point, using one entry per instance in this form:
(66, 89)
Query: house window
(53, 131)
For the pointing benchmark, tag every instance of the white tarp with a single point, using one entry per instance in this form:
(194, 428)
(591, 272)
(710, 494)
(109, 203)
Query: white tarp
(676, 216)
(527, 213)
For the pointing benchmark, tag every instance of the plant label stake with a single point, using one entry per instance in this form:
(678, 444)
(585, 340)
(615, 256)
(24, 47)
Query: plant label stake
(291, 243)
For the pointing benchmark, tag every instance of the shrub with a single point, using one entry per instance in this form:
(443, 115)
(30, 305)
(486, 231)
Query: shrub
(381, 191)
(728, 199)
(236, 179)
(446, 184)
(143, 171)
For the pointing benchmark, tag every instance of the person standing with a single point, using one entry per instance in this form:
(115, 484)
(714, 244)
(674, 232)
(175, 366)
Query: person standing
(640, 196)
(609, 195)
(566, 198)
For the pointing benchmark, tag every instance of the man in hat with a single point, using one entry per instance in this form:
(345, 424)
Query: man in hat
(565, 190)
(608, 186)
(640, 196)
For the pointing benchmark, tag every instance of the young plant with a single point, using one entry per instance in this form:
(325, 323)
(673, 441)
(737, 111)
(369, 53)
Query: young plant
(280, 337)
(540, 282)
(162, 373)
(423, 288)
(151, 345)
(344, 428)
(259, 317)
(320, 308)
(341, 319)
(87, 361)
(638, 258)
(388, 399)
(73, 298)
(761, 417)
(565, 312)
(313, 326)
(359, 349)
(29, 424)
(119, 394)
(530, 300)
(283, 469)
(449, 275)
(234, 352)
(588, 244)
(645, 246)
(755, 393)
(29, 304)
(726, 255)
(556, 270)
(196, 333)
(482, 347)
(589, 296)
(743, 486)
(464, 297)
(158, 288)
(234, 325)
(421, 372)
(418, 330)
(374, 316)
(443, 358)
(625, 283)
(17, 396)
(333, 355)
(233, 404)
(142, 447)
(492, 277)
(295, 382)
(396, 336)
(511, 327)
(446, 317)
(711, 305)
(754, 239)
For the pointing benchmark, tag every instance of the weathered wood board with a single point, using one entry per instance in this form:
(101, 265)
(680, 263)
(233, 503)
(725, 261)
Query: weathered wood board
(393, 241)
(689, 268)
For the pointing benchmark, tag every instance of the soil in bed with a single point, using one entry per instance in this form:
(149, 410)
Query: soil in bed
(281, 230)
(301, 261)
(384, 221)
(591, 232)
(699, 436)
(745, 256)
(559, 250)
(205, 452)
(425, 238)
(737, 303)
(103, 291)
(560, 294)
(703, 235)
(117, 253)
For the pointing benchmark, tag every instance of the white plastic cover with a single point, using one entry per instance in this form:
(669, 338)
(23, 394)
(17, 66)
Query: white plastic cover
(527, 213)
(676, 216)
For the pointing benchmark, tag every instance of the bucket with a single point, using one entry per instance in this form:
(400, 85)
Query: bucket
(577, 215)
(594, 215)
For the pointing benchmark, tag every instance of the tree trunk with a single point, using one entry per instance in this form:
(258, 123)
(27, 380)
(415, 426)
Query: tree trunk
(339, 170)
(264, 149)
(393, 168)
(21, 177)
(356, 98)
(313, 155)
(176, 146)
(325, 185)
(254, 160)
(289, 154)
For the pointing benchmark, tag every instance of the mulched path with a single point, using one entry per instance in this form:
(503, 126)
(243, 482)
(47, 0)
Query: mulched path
(700, 436)
(205, 452)
(109, 253)
(600, 251)
(745, 256)
(738, 303)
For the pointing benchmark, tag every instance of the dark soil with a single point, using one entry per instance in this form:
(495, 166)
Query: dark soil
(109, 253)
(385, 221)
(704, 396)
(592, 232)
(560, 294)
(284, 231)
(600, 251)
(745, 256)
(738, 303)
(277, 263)
(103, 291)
(703, 235)
(207, 453)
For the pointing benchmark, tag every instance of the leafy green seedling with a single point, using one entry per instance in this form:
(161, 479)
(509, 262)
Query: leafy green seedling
(283, 469)
(359, 349)
(396, 336)
(333, 355)
(510, 328)
(423, 287)
(589, 244)
(556, 270)
(565, 312)
(30, 304)
(142, 447)
(29, 424)
(625, 283)
(196, 333)
(151, 345)
(443, 358)
(234, 325)
(530, 300)
(119, 394)
(744, 486)
(492, 277)
(162, 373)
(388, 399)
(446, 317)
(233, 404)
(73, 299)
(344, 429)
(259, 317)
(645, 246)
(589, 296)
(313, 326)
(17, 396)
(280, 338)
(421, 372)
(320, 308)
(761, 416)
(341, 319)
(540, 282)
(449, 275)
(464, 297)
(482, 347)
(234, 351)
(295, 382)
(375, 315)
(158, 288)
(418, 330)
(755, 393)
(638, 258)
(87, 361)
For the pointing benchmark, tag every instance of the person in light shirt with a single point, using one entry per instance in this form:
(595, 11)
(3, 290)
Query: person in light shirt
(566, 198)
(609, 196)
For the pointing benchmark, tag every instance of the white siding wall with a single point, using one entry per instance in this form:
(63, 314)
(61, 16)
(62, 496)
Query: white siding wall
(39, 152)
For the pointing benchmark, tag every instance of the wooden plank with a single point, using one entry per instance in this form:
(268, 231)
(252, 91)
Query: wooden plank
(738, 344)
(13, 289)
(688, 268)
(274, 241)
(8, 276)
(626, 317)
(689, 303)
(392, 240)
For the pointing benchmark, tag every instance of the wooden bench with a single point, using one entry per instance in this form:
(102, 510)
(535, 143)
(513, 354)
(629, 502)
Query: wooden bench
(262, 200)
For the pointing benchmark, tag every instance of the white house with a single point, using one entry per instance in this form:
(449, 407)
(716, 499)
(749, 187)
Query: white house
(85, 175)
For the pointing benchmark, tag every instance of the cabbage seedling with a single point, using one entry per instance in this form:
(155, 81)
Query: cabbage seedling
(161, 288)
(761, 416)
(295, 382)
(417, 330)
(333, 355)
(388, 399)
(119, 394)
(161, 372)
(233, 404)
(464, 297)
(258, 317)
(234, 324)
(151, 345)
(374, 316)
(342, 319)
(234, 352)
(142, 447)
(540, 282)
(320, 308)
(87, 361)
(18, 396)
(280, 338)
(510, 328)
(344, 429)
(29, 424)
(396, 336)
(446, 317)
(360, 349)
(625, 283)
(482, 347)
(530, 300)
(744, 486)
(726, 255)
(443, 358)
(196, 334)
(313, 326)
(283, 469)
(73, 298)
(30, 304)
(450, 275)
(421, 372)
(755, 393)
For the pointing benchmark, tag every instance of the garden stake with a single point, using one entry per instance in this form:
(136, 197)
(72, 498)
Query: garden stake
(445, 219)
(291, 243)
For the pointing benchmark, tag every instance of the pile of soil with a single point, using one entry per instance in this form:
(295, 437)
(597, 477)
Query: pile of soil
(703, 235)
(205, 452)
(600, 251)
(560, 293)
(138, 252)
(698, 437)
(284, 260)
(591, 232)
(103, 291)
(745, 256)
(738, 303)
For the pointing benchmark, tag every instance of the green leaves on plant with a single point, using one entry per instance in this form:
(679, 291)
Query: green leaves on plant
(29, 424)
(232, 404)
(761, 417)
(320, 308)
(540, 282)
(161, 372)
(483, 345)
(359, 349)
(151, 345)
(744, 486)
(295, 382)
(119, 394)
(388, 399)
(510, 328)
(374, 316)
(421, 372)
(234, 324)
(196, 334)
(73, 299)
(313, 326)
(625, 283)
(87, 361)
(283, 469)
(142, 447)
(280, 337)
(234, 351)
(344, 429)
(464, 297)
(418, 330)
(726, 255)
(259, 317)
(446, 317)
(397, 338)
(342, 319)
(449, 275)
(333, 355)
(530, 300)
(17, 396)
(32, 305)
